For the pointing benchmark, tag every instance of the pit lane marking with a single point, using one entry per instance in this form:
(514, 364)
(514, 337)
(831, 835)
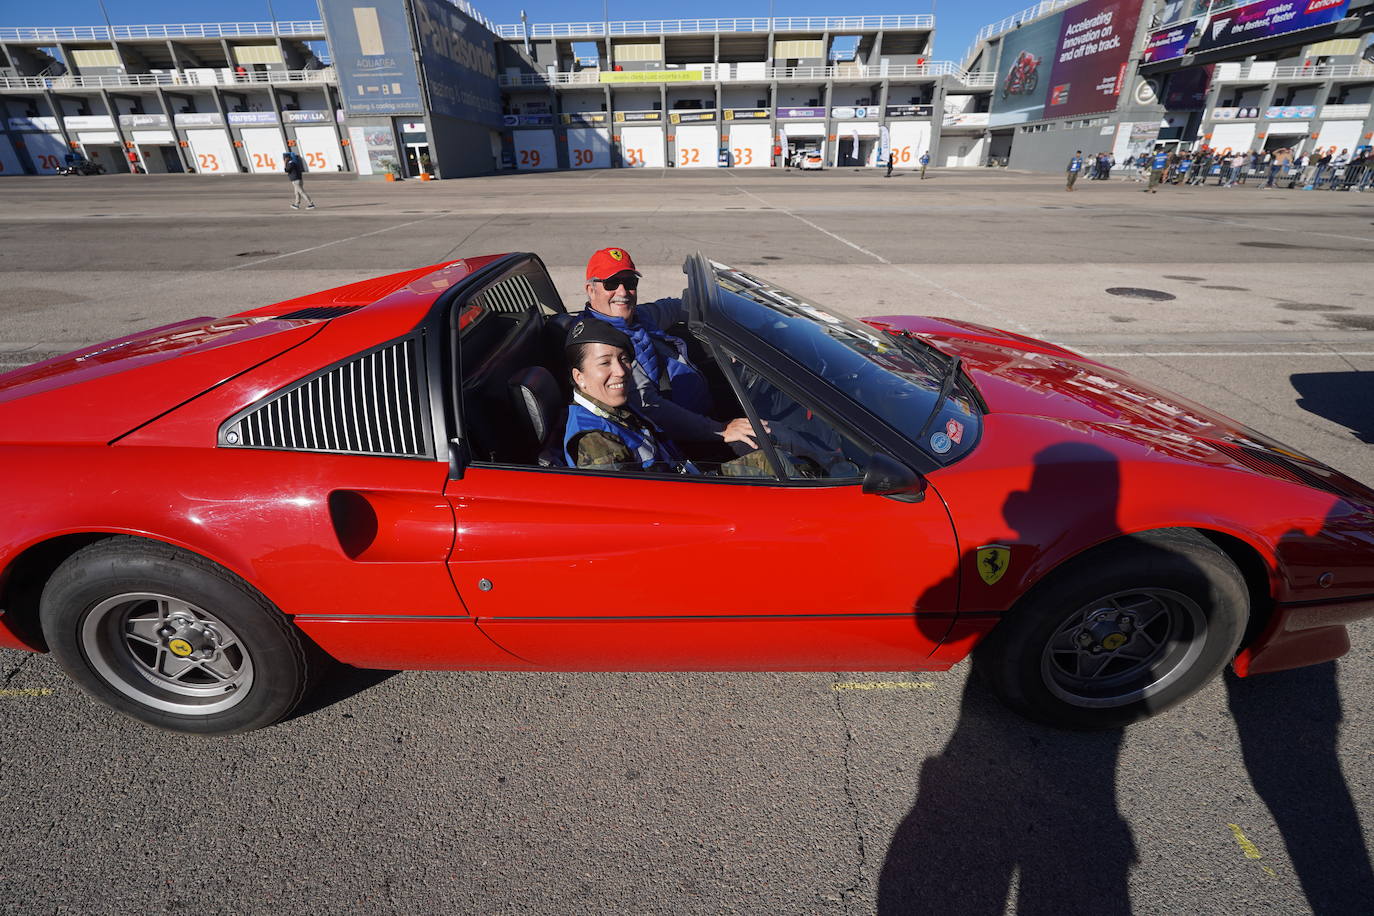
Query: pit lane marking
(883, 685)
(1002, 318)
(10, 692)
(353, 238)
(1250, 849)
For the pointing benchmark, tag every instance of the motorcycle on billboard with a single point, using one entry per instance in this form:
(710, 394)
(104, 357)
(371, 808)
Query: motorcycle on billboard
(1024, 76)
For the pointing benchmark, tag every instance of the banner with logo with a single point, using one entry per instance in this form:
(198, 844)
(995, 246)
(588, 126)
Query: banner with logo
(1290, 112)
(1186, 89)
(1166, 44)
(650, 76)
(745, 114)
(1023, 72)
(1267, 19)
(622, 116)
(370, 42)
(801, 112)
(910, 111)
(585, 118)
(1093, 54)
(459, 58)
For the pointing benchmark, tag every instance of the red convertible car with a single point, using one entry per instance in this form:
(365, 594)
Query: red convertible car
(199, 516)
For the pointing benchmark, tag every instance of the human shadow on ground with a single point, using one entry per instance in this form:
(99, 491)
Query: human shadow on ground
(1346, 398)
(1009, 803)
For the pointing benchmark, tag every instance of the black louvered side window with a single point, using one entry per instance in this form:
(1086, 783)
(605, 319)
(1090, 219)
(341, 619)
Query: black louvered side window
(513, 296)
(374, 404)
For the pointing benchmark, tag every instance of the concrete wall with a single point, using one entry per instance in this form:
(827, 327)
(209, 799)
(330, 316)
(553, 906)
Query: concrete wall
(460, 148)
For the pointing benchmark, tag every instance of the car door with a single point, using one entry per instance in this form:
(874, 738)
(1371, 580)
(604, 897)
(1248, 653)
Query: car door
(584, 571)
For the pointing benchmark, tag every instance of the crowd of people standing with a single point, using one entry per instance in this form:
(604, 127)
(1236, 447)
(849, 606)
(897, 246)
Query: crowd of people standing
(1329, 169)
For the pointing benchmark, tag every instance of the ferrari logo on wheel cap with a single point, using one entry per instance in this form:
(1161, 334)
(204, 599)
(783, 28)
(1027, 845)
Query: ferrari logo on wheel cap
(993, 561)
(180, 648)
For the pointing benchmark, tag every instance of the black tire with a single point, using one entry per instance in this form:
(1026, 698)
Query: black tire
(1119, 634)
(171, 639)
(1032, 80)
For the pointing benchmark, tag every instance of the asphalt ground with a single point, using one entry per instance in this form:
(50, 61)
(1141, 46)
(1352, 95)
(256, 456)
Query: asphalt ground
(722, 793)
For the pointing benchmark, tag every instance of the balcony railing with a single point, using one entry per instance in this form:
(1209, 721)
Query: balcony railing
(728, 73)
(682, 26)
(1266, 71)
(216, 77)
(310, 27)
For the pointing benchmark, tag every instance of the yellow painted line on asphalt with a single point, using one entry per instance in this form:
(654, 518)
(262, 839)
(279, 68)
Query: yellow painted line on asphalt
(1250, 849)
(884, 685)
(25, 692)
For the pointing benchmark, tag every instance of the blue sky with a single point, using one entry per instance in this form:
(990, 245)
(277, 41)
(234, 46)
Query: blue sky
(956, 21)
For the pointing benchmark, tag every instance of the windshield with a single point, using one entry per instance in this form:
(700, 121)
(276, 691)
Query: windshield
(895, 377)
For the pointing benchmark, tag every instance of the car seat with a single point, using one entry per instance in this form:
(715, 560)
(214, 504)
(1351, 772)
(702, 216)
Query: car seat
(540, 412)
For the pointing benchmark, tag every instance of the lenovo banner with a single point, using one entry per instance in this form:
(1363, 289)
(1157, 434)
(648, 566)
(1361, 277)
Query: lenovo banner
(1094, 51)
(1267, 19)
(1166, 44)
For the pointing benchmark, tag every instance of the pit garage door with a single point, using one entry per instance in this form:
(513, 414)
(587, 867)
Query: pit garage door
(1340, 135)
(909, 140)
(211, 153)
(1234, 137)
(9, 162)
(589, 147)
(751, 146)
(48, 152)
(319, 147)
(264, 146)
(534, 150)
(696, 146)
(641, 147)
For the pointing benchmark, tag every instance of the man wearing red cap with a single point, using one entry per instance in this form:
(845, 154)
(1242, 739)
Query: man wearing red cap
(670, 390)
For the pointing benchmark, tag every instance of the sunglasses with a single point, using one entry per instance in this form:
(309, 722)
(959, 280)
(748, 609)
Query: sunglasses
(611, 284)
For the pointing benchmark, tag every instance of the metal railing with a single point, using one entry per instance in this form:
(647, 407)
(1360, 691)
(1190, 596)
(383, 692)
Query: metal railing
(312, 27)
(195, 78)
(726, 73)
(1267, 71)
(682, 26)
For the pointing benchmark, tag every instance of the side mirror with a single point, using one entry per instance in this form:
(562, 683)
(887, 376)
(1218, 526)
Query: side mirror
(889, 477)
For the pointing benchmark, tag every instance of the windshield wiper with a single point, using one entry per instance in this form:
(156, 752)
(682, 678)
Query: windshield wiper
(946, 386)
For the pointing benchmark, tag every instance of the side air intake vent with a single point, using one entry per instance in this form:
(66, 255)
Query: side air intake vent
(321, 311)
(514, 296)
(373, 404)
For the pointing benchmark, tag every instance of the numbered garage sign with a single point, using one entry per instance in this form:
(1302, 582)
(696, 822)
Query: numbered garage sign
(534, 150)
(696, 146)
(264, 146)
(589, 147)
(319, 147)
(47, 151)
(641, 147)
(751, 146)
(9, 162)
(211, 152)
(909, 140)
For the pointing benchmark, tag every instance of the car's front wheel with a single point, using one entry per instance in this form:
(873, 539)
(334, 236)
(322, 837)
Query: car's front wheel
(1119, 634)
(174, 640)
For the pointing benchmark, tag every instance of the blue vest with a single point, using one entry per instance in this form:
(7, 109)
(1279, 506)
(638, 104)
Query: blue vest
(1075, 163)
(1161, 162)
(687, 387)
(583, 417)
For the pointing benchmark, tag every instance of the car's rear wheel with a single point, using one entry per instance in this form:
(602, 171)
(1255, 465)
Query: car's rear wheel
(1119, 634)
(172, 639)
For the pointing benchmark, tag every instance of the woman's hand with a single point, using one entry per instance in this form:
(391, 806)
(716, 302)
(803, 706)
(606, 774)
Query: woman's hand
(741, 430)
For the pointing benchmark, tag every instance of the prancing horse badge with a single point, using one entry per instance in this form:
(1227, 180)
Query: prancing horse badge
(993, 561)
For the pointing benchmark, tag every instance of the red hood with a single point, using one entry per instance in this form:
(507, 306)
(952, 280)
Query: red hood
(1033, 378)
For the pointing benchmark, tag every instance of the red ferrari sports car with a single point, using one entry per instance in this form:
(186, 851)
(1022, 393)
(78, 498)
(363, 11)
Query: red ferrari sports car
(200, 515)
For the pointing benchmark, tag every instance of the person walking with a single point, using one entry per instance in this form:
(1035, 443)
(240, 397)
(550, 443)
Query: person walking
(925, 161)
(891, 161)
(1075, 166)
(294, 173)
(1159, 163)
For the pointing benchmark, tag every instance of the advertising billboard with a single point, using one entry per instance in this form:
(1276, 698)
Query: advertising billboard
(1267, 19)
(1187, 89)
(370, 41)
(459, 59)
(1166, 44)
(1093, 53)
(1023, 72)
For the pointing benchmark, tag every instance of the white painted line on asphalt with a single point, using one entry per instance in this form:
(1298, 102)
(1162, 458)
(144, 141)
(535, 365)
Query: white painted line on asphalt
(1231, 222)
(352, 238)
(1003, 320)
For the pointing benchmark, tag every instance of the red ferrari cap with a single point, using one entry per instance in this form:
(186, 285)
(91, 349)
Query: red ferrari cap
(608, 262)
